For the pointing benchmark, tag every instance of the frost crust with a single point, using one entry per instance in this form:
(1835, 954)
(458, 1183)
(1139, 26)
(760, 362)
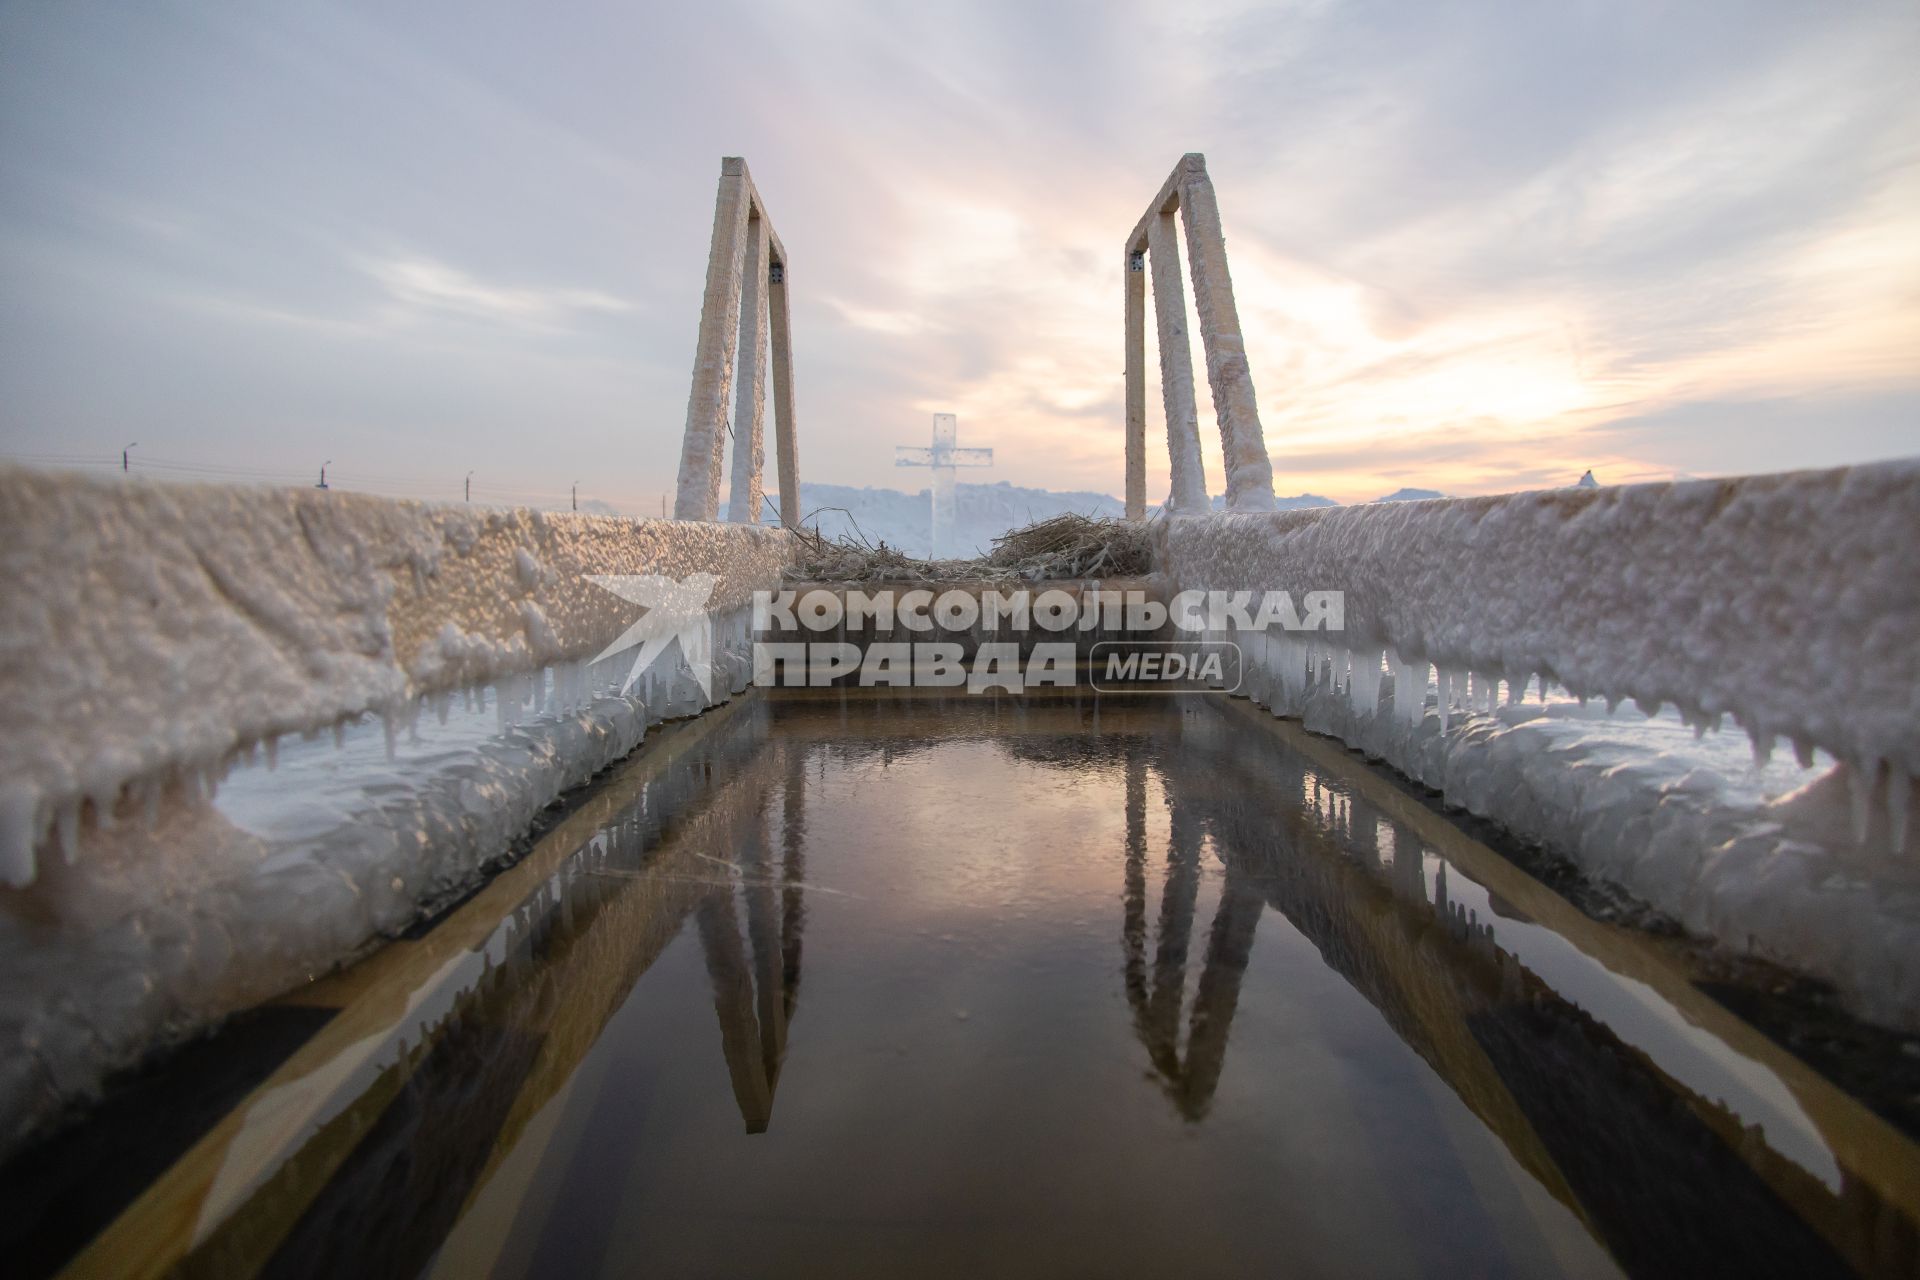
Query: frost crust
(1788, 605)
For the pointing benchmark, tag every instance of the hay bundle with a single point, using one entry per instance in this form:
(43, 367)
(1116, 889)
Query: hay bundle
(1074, 546)
(1065, 547)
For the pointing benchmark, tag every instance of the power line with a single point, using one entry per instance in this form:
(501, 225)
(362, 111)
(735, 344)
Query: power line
(419, 488)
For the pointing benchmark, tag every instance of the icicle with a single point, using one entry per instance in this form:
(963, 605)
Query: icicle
(66, 821)
(1366, 682)
(1861, 775)
(1483, 697)
(1543, 687)
(103, 809)
(19, 834)
(1443, 694)
(1762, 747)
(1803, 750)
(1410, 690)
(272, 743)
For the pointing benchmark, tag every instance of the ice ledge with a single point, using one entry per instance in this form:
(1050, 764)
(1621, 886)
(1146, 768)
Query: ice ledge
(1786, 603)
(151, 634)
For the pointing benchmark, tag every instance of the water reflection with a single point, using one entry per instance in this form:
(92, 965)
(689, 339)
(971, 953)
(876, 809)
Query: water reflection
(1157, 999)
(1379, 1054)
(754, 998)
(1672, 1181)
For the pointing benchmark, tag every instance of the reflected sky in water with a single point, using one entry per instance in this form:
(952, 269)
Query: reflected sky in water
(882, 985)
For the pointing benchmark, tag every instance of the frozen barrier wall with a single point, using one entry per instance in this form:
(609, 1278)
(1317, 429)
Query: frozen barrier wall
(1787, 605)
(426, 678)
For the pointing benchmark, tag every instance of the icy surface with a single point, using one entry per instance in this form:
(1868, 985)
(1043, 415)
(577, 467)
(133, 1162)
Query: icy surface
(251, 731)
(1784, 605)
(152, 633)
(214, 903)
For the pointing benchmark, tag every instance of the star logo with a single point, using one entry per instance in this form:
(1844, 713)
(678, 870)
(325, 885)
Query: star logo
(676, 609)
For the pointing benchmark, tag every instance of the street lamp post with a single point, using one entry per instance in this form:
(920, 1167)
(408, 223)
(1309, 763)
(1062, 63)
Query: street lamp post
(469, 486)
(125, 465)
(323, 473)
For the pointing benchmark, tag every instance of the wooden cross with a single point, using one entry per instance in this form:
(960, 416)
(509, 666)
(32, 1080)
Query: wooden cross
(943, 457)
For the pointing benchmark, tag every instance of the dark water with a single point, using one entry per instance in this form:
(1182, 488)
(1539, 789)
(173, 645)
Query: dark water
(887, 986)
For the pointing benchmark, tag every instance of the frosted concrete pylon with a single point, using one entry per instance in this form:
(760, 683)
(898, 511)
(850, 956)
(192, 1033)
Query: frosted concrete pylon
(942, 458)
(1189, 480)
(746, 296)
(1189, 193)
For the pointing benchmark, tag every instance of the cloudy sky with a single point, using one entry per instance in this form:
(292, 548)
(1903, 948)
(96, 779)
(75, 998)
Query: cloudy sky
(1477, 247)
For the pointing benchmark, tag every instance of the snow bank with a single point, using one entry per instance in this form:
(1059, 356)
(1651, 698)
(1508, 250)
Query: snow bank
(1787, 604)
(151, 634)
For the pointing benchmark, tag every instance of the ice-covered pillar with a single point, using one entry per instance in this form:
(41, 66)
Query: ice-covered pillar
(1249, 470)
(750, 398)
(785, 439)
(698, 493)
(1136, 274)
(1176, 367)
